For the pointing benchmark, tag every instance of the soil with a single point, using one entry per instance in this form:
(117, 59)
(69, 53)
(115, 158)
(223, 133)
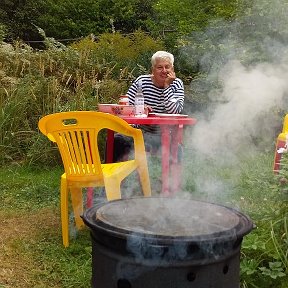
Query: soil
(16, 262)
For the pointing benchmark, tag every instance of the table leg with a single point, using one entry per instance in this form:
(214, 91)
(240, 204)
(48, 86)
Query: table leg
(90, 197)
(165, 139)
(109, 146)
(175, 168)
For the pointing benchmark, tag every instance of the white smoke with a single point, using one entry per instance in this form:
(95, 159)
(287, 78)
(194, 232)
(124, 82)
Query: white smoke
(250, 93)
(248, 60)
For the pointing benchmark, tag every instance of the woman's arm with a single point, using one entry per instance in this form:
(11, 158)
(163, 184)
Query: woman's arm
(174, 97)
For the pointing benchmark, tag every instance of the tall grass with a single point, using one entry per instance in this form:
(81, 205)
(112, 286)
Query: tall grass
(251, 187)
(77, 77)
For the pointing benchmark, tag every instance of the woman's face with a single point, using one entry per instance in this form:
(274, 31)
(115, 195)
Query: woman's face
(160, 70)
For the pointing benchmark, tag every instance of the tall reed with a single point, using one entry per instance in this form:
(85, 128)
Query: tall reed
(61, 78)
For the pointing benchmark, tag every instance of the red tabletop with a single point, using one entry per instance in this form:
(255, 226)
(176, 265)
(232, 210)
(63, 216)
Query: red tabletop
(168, 124)
(162, 120)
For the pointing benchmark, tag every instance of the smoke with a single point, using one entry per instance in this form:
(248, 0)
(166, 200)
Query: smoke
(245, 68)
(250, 93)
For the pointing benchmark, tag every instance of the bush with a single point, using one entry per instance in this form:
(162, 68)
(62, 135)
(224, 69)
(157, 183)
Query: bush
(132, 51)
(35, 83)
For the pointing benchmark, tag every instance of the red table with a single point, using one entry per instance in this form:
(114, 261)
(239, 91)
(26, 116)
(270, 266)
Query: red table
(167, 124)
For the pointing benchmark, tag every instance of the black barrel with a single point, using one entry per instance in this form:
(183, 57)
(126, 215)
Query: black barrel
(165, 242)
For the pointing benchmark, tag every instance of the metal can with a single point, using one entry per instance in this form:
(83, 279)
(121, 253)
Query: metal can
(124, 100)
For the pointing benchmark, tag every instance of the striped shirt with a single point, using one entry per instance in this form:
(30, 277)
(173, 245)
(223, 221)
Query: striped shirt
(161, 100)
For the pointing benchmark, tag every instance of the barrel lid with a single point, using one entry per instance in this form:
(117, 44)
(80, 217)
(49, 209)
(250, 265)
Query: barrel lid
(168, 218)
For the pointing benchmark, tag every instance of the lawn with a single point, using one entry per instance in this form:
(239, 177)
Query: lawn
(30, 237)
(32, 254)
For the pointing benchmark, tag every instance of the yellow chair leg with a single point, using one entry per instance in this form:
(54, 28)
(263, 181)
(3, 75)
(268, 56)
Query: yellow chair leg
(77, 204)
(112, 187)
(64, 212)
(144, 180)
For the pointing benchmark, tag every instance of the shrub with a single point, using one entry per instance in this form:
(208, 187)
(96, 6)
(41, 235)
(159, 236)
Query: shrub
(132, 51)
(35, 83)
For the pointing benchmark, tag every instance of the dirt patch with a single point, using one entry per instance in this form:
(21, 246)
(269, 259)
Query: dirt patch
(16, 267)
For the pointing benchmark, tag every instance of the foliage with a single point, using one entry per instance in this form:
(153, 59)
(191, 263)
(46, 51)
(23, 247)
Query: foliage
(186, 16)
(68, 20)
(256, 36)
(175, 19)
(19, 17)
(2, 32)
(121, 51)
(77, 77)
(265, 254)
(265, 250)
(250, 187)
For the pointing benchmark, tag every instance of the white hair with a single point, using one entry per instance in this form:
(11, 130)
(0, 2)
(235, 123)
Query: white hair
(162, 55)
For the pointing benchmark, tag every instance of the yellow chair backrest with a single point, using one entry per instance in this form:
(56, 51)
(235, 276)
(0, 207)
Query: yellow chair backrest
(76, 135)
(284, 132)
(281, 142)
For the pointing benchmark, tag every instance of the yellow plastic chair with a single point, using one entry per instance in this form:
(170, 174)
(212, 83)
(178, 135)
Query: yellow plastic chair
(280, 143)
(76, 136)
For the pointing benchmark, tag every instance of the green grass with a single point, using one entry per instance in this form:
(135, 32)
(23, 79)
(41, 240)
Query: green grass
(250, 186)
(27, 188)
(31, 233)
(30, 237)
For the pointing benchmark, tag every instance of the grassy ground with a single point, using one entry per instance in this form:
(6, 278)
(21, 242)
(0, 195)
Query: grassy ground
(30, 238)
(31, 248)
(32, 254)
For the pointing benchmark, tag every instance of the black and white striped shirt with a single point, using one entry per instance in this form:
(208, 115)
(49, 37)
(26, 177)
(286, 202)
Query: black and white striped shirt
(169, 100)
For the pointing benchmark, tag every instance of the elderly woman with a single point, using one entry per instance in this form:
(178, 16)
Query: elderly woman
(163, 93)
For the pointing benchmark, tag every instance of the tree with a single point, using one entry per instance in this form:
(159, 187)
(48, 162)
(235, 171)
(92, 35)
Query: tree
(186, 16)
(78, 18)
(18, 17)
(62, 19)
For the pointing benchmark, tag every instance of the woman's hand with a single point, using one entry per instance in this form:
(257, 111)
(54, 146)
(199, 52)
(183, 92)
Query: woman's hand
(171, 76)
(149, 108)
